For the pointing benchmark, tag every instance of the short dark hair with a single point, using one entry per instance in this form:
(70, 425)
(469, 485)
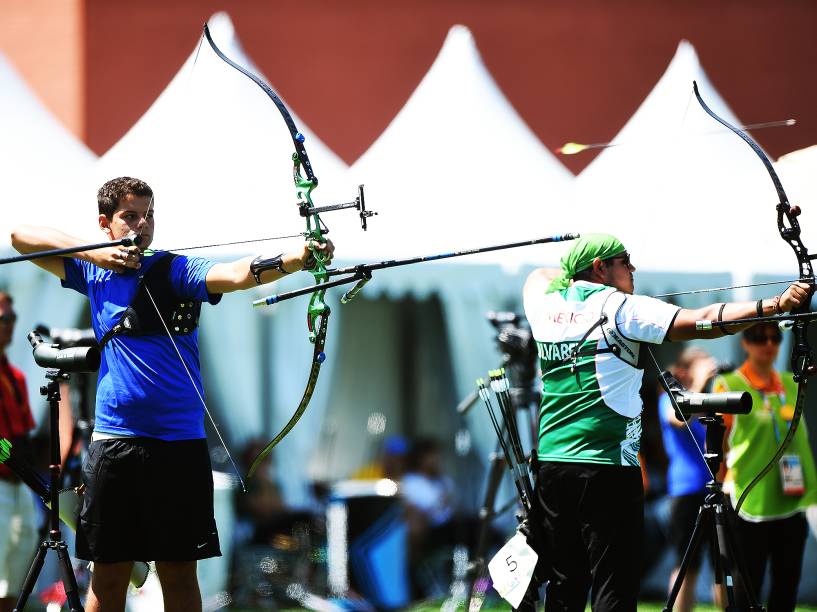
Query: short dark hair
(6, 297)
(111, 193)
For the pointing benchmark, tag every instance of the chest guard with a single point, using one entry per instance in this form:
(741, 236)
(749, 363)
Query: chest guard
(612, 340)
(618, 344)
(179, 316)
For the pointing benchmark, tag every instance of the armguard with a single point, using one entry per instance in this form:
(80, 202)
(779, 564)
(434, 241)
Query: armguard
(260, 265)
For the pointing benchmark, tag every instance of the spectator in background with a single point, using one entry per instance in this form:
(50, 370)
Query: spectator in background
(18, 530)
(771, 524)
(263, 513)
(688, 473)
(427, 493)
(263, 502)
(433, 527)
(390, 462)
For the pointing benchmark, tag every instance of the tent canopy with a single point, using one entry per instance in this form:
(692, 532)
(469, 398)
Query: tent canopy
(37, 150)
(685, 192)
(217, 154)
(458, 168)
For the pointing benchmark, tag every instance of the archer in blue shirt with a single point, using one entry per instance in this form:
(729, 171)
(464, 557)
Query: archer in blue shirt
(147, 476)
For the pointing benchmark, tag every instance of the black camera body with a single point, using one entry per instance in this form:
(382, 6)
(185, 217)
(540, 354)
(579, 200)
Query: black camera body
(68, 337)
(72, 359)
(515, 340)
(689, 403)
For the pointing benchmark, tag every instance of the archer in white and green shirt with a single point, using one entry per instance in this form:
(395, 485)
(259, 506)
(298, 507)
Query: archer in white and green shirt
(589, 327)
(591, 407)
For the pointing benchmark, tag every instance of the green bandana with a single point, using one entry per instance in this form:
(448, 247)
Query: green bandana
(581, 256)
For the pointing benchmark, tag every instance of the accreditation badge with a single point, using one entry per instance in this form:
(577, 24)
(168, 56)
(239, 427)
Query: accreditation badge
(791, 475)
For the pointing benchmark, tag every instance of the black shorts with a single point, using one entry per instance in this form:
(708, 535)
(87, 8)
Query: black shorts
(683, 514)
(147, 500)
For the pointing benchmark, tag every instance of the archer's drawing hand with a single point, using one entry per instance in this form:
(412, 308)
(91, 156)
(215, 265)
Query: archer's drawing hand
(118, 258)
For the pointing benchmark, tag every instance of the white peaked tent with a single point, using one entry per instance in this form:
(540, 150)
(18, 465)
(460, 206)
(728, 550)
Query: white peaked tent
(42, 160)
(217, 154)
(458, 168)
(42, 165)
(686, 193)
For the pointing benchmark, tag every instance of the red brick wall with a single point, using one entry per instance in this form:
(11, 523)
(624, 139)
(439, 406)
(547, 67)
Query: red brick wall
(574, 70)
(43, 39)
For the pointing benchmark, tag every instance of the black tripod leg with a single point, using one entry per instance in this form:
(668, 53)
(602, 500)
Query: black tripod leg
(703, 522)
(725, 528)
(69, 581)
(486, 516)
(31, 577)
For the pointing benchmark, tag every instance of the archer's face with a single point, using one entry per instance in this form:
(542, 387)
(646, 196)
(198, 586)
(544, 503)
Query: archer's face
(618, 273)
(134, 215)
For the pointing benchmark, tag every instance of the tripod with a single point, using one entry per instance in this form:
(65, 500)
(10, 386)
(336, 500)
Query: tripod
(716, 517)
(54, 542)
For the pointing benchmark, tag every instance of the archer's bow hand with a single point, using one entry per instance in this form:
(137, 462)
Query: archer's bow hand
(306, 256)
(797, 294)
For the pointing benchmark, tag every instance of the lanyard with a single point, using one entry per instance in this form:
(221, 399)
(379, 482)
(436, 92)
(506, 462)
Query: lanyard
(770, 409)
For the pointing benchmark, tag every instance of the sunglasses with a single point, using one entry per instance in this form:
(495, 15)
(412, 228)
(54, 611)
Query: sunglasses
(773, 338)
(625, 259)
(9, 317)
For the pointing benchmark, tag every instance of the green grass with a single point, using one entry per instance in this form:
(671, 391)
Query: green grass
(642, 607)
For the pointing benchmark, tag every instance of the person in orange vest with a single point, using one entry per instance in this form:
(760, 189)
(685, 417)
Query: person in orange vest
(771, 525)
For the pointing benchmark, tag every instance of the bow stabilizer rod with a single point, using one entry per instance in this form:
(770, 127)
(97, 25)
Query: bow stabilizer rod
(362, 273)
(707, 324)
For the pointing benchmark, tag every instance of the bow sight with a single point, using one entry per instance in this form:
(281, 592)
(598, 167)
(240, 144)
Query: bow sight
(358, 204)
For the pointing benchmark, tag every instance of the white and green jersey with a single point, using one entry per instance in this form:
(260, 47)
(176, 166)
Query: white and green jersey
(591, 413)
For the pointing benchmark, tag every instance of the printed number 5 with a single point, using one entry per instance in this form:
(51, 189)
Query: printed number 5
(512, 565)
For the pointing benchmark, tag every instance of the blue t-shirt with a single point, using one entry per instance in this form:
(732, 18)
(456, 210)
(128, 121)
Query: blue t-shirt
(687, 471)
(143, 389)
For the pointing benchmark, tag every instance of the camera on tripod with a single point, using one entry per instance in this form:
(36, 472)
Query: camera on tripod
(515, 340)
(72, 359)
(68, 336)
(514, 337)
(689, 403)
